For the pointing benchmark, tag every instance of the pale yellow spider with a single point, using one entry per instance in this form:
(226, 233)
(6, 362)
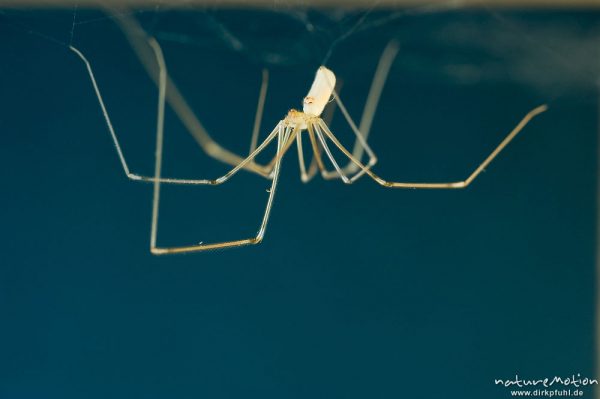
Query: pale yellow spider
(287, 131)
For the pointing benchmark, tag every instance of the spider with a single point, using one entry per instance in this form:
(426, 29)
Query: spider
(287, 131)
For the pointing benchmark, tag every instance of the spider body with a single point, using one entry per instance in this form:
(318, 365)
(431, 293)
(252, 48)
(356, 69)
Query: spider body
(314, 103)
(298, 119)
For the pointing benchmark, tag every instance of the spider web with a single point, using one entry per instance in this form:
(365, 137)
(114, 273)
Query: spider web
(433, 45)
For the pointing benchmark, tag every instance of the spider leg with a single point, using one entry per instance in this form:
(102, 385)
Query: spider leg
(341, 174)
(305, 175)
(288, 142)
(281, 134)
(262, 95)
(161, 103)
(133, 31)
(161, 99)
(360, 143)
(317, 160)
(379, 78)
(338, 171)
(318, 146)
(362, 132)
(313, 168)
(335, 174)
(442, 185)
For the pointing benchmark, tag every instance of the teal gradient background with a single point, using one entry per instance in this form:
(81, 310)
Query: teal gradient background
(357, 291)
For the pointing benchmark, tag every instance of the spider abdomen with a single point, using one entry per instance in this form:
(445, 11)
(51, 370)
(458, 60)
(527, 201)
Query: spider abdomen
(320, 92)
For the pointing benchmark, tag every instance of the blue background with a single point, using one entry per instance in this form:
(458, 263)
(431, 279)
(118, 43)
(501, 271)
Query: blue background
(357, 291)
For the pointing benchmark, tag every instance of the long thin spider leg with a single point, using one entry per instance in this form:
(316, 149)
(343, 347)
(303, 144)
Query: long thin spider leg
(317, 149)
(288, 142)
(330, 155)
(219, 245)
(446, 185)
(362, 132)
(105, 113)
(160, 132)
(259, 109)
(159, 155)
(358, 173)
(136, 37)
(313, 168)
(330, 175)
(316, 163)
(107, 120)
(161, 101)
(289, 136)
(303, 175)
(360, 139)
(325, 173)
(381, 73)
(226, 176)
